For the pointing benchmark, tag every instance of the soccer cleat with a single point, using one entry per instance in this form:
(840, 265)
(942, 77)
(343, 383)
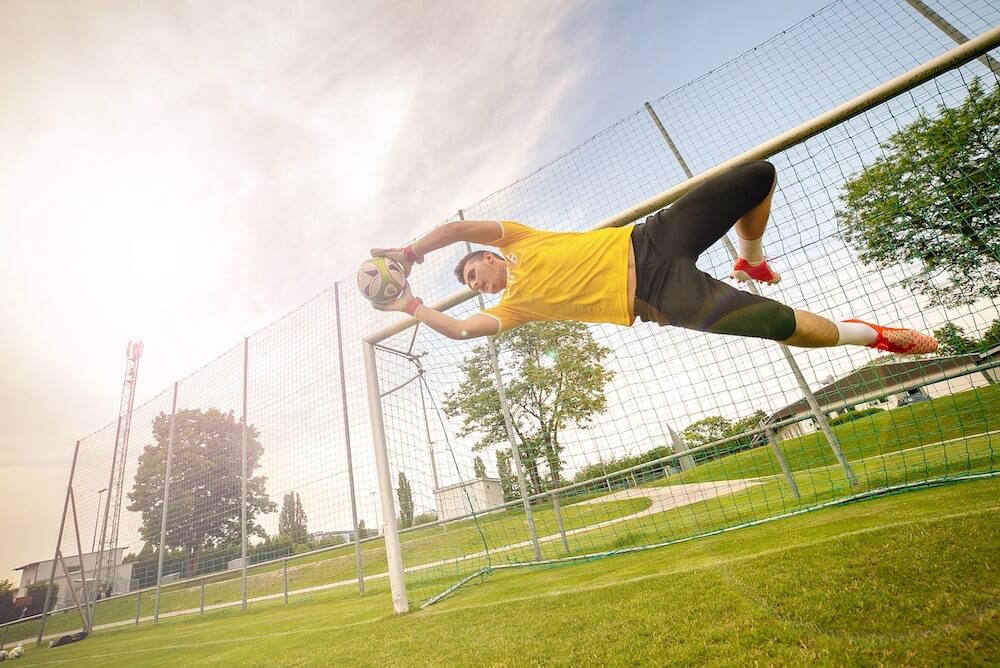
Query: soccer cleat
(902, 341)
(743, 272)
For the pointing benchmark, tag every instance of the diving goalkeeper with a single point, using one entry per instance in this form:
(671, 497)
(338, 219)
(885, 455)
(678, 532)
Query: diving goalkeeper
(644, 271)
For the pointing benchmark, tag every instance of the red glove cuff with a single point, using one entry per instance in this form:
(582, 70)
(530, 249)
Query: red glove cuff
(411, 255)
(411, 306)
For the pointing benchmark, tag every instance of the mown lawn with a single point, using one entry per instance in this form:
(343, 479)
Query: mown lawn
(908, 579)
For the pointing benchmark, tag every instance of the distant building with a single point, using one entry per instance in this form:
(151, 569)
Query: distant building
(39, 571)
(469, 496)
(876, 384)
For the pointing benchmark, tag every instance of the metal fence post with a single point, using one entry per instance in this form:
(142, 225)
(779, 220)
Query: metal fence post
(347, 440)
(166, 507)
(559, 522)
(243, 483)
(138, 606)
(284, 565)
(775, 442)
(202, 611)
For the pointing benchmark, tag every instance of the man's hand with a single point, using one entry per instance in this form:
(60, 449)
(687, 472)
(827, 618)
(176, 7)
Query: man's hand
(405, 256)
(397, 304)
(394, 254)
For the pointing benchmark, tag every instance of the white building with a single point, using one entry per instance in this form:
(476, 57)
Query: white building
(463, 498)
(39, 571)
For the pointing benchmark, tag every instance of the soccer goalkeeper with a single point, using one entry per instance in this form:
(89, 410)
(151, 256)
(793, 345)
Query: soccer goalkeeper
(646, 270)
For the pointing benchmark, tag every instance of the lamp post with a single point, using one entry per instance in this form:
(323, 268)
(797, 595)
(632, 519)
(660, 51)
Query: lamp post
(378, 527)
(93, 543)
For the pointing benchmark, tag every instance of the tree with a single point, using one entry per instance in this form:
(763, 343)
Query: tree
(991, 337)
(508, 483)
(716, 427)
(36, 592)
(952, 340)
(405, 495)
(933, 199)
(554, 379)
(478, 467)
(362, 531)
(7, 610)
(292, 521)
(205, 483)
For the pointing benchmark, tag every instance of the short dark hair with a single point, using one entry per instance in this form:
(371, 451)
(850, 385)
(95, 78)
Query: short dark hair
(474, 255)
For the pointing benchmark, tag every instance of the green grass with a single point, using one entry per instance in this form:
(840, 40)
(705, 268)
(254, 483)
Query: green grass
(942, 419)
(901, 446)
(907, 579)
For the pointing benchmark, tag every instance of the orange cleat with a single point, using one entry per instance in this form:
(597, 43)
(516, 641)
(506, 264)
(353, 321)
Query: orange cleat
(901, 341)
(743, 272)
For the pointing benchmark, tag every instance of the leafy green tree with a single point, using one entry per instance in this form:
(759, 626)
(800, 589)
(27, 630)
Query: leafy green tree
(991, 337)
(7, 610)
(205, 483)
(292, 521)
(36, 592)
(405, 495)
(479, 467)
(554, 378)
(706, 430)
(362, 531)
(933, 200)
(952, 340)
(715, 428)
(508, 482)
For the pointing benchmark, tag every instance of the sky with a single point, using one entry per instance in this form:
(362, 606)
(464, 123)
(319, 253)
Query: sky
(186, 173)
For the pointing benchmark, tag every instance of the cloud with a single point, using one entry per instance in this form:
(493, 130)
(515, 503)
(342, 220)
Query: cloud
(186, 174)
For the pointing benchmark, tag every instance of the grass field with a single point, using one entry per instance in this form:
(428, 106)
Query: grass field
(950, 436)
(905, 579)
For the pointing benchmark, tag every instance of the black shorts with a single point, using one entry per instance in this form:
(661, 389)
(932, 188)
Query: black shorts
(671, 290)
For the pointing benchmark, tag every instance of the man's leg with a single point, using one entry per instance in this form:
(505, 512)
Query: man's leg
(750, 228)
(751, 264)
(813, 331)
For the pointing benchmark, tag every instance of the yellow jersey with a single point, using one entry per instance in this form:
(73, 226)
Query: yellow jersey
(580, 276)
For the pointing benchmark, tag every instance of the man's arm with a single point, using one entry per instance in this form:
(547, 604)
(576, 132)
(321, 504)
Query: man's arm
(469, 328)
(472, 327)
(473, 231)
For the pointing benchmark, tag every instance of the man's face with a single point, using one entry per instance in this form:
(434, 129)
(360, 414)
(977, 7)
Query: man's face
(487, 275)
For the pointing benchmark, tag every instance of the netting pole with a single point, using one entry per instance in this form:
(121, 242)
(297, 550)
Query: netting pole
(243, 482)
(509, 424)
(559, 523)
(284, 569)
(818, 414)
(202, 605)
(72, 590)
(775, 442)
(951, 31)
(138, 606)
(83, 571)
(347, 441)
(166, 506)
(687, 461)
(427, 431)
(390, 533)
(55, 556)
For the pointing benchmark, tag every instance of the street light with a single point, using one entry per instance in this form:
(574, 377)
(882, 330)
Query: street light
(93, 543)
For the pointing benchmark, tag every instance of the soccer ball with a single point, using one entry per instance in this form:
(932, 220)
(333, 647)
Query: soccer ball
(16, 653)
(381, 279)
